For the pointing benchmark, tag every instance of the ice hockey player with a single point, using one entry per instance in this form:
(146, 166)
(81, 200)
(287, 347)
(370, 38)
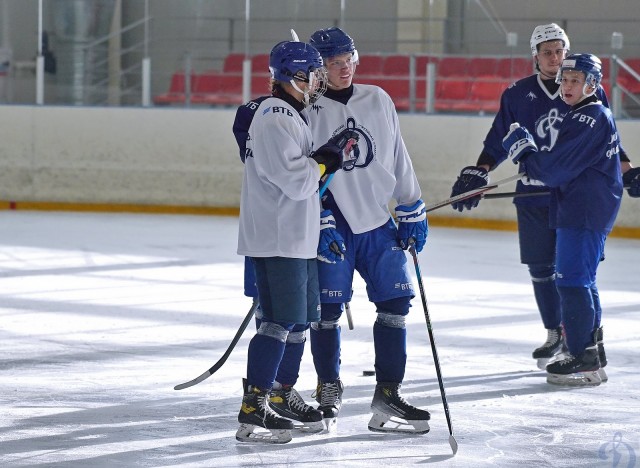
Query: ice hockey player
(583, 171)
(279, 230)
(358, 199)
(535, 102)
(283, 399)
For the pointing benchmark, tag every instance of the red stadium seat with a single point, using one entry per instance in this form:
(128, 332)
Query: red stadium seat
(421, 64)
(233, 63)
(453, 66)
(514, 68)
(480, 67)
(260, 64)
(396, 65)
(370, 65)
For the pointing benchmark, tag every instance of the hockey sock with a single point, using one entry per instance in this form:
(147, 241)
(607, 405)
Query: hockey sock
(325, 347)
(543, 278)
(390, 343)
(265, 353)
(294, 348)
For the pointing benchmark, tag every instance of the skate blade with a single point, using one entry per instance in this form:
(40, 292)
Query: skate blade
(309, 427)
(603, 375)
(247, 433)
(385, 423)
(542, 363)
(331, 423)
(578, 379)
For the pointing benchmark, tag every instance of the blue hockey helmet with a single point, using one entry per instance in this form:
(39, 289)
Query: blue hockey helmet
(332, 42)
(588, 64)
(294, 61)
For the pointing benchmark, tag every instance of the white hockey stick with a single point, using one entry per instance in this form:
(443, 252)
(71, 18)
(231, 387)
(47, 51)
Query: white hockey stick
(473, 193)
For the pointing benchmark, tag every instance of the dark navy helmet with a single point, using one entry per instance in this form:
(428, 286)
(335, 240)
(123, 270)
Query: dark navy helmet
(588, 64)
(292, 60)
(332, 42)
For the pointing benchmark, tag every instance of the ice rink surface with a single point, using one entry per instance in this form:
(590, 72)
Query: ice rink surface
(103, 314)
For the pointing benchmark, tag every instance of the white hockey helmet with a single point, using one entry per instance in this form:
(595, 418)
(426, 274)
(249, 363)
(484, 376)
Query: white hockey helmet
(548, 32)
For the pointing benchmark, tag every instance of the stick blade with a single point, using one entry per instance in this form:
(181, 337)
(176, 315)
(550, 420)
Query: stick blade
(193, 382)
(453, 443)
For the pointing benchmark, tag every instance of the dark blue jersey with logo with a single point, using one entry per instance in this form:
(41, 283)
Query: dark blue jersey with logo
(582, 169)
(530, 103)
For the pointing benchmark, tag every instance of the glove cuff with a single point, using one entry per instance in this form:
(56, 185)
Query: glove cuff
(411, 214)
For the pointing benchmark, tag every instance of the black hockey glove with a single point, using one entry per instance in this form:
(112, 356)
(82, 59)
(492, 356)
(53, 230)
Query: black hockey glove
(470, 178)
(337, 152)
(631, 180)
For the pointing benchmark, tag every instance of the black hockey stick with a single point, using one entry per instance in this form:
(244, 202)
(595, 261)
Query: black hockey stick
(515, 194)
(472, 193)
(243, 326)
(209, 372)
(349, 318)
(522, 194)
(452, 440)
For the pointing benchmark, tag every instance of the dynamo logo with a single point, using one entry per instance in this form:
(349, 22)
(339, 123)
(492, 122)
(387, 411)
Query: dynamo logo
(547, 128)
(620, 454)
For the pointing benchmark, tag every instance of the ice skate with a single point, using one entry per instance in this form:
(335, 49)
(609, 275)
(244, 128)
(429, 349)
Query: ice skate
(575, 371)
(554, 345)
(598, 338)
(258, 422)
(391, 413)
(329, 397)
(288, 403)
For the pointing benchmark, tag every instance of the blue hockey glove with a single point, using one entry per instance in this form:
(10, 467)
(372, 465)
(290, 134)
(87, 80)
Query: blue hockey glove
(519, 143)
(631, 180)
(331, 247)
(412, 225)
(470, 178)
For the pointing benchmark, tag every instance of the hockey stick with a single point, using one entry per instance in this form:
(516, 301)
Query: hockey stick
(473, 193)
(514, 194)
(452, 440)
(349, 318)
(209, 372)
(523, 194)
(243, 326)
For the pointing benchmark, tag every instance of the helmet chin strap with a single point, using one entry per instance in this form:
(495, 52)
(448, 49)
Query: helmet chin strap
(306, 100)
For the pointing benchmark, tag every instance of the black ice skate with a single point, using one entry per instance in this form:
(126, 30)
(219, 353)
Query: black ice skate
(288, 403)
(598, 337)
(578, 370)
(391, 413)
(329, 396)
(255, 413)
(555, 344)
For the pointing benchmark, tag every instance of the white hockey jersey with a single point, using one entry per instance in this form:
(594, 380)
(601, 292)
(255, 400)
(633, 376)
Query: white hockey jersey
(279, 208)
(383, 170)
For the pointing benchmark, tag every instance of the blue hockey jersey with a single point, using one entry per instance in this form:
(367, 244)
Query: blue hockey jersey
(529, 102)
(582, 169)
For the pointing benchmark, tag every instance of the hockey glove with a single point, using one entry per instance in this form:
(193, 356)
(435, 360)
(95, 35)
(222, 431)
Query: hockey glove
(631, 180)
(519, 143)
(338, 152)
(331, 247)
(412, 225)
(470, 178)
